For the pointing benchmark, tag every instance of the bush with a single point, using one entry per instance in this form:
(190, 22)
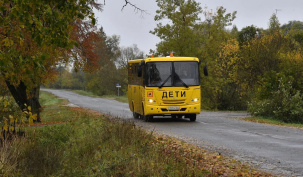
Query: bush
(285, 103)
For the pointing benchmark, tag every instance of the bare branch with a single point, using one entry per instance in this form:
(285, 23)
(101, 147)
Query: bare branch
(136, 9)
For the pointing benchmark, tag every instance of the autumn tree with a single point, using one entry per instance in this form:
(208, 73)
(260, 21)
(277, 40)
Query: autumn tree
(103, 80)
(33, 37)
(229, 95)
(267, 70)
(83, 55)
(216, 90)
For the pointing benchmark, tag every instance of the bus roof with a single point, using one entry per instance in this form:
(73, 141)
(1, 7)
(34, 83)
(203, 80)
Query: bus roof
(165, 59)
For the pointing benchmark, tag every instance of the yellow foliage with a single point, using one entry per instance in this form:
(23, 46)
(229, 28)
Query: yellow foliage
(7, 42)
(35, 116)
(5, 103)
(21, 42)
(5, 126)
(30, 121)
(11, 118)
(31, 118)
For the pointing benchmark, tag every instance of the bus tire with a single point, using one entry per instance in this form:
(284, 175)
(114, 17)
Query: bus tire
(146, 118)
(193, 117)
(135, 115)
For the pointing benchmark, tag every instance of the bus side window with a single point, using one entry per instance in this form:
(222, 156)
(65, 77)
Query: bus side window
(139, 72)
(154, 74)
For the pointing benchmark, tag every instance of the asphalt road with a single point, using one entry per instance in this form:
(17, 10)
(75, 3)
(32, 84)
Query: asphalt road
(271, 148)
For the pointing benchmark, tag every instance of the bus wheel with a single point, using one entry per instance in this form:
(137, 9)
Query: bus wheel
(193, 117)
(146, 118)
(135, 115)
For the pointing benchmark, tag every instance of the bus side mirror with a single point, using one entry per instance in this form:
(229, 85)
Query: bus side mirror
(205, 70)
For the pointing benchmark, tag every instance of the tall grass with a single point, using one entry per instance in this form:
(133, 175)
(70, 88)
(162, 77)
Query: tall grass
(90, 147)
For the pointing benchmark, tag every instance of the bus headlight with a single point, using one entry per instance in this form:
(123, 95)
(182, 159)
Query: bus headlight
(150, 100)
(195, 99)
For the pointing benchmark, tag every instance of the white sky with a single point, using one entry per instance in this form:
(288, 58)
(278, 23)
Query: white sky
(133, 27)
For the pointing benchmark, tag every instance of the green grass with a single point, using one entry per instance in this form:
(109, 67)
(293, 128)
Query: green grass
(122, 98)
(47, 99)
(86, 143)
(85, 93)
(268, 120)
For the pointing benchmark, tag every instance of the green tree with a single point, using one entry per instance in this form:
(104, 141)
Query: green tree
(187, 35)
(234, 32)
(103, 80)
(213, 35)
(229, 94)
(247, 34)
(294, 30)
(178, 33)
(292, 25)
(264, 69)
(33, 36)
(213, 31)
(274, 24)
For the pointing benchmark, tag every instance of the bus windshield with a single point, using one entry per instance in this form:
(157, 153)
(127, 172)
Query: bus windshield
(172, 74)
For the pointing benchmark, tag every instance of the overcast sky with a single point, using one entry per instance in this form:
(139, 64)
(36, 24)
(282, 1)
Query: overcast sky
(133, 27)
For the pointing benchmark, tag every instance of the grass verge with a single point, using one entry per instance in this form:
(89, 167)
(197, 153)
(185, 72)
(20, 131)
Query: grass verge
(123, 98)
(87, 143)
(272, 121)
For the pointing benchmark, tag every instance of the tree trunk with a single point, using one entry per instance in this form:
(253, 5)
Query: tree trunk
(19, 94)
(23, 100)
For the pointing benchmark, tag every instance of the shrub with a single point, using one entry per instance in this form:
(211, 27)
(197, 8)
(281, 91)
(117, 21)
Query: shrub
(284, 103)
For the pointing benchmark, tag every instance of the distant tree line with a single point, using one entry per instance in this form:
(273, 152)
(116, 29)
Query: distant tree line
(112, 61)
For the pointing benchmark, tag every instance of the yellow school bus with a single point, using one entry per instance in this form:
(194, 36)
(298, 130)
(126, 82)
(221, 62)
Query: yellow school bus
(164, 86)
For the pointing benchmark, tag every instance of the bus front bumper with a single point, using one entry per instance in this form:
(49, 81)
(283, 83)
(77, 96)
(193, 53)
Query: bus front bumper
(160, 110)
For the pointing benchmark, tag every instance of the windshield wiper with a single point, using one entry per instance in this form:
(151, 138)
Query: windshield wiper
(164, 81)
(184, 83)
(178, 77)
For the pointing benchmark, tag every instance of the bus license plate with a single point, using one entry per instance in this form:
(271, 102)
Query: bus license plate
(174, 107)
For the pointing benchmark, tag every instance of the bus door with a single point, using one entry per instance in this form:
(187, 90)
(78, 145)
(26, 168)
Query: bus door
(141, 89)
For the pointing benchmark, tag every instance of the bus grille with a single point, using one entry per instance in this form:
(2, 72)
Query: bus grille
(173, 102)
